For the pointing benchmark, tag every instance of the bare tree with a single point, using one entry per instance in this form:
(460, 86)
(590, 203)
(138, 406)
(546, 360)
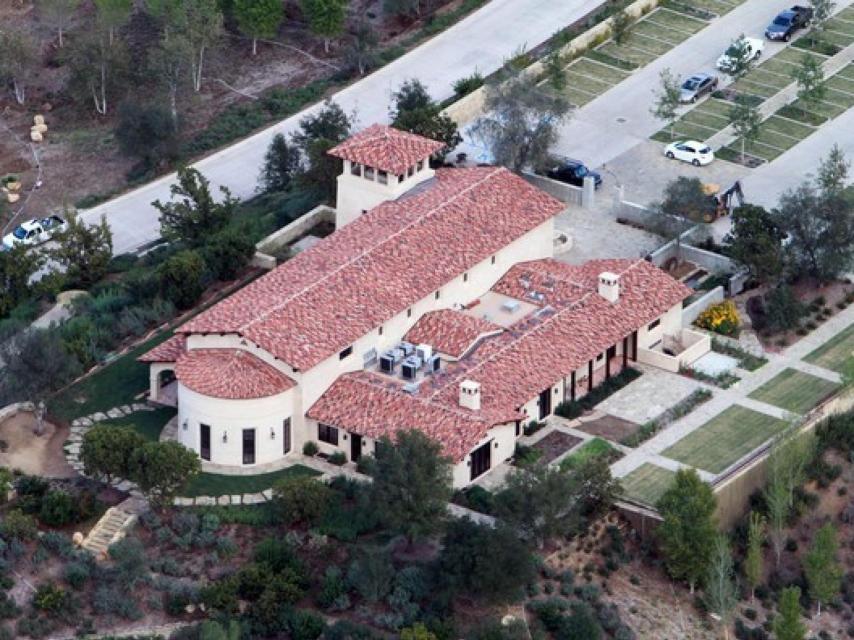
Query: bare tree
(169, 64)
(720, 588)
(58, 14)
(199, 22)
(18, 57)
(667, 99)
(746, 120)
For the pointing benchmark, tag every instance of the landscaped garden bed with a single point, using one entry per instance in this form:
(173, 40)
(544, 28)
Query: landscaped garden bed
(553, 445)
(595, 449)
(573, 408)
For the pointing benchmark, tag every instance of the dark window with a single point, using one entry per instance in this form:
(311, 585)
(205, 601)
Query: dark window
(420, 165)
(369, 173)
(328, 434)
(346, 352)
(493, 259)
(600, 356)
(380, 331)
(480, 460)
(286, 436)
(249, 446)
(382, 177)
(465, 277)
(356, 169)
(205, 451)
(409, 313)
(437, 295)
(652, 325)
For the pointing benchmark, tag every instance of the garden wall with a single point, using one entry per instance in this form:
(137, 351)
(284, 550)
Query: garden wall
(564, 192)
(288, 234)
(690, 313)
(734, 487)
(471, 106)
(11, 410)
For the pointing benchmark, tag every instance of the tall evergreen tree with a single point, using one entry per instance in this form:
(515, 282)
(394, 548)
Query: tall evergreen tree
(196, 215)
(753, 563)
(688, 531)
(413, 110)
(821, 566)
(112, 15)
(259, 19)
(83, 250)
(58, 13)
(325, 18)
(787, 624)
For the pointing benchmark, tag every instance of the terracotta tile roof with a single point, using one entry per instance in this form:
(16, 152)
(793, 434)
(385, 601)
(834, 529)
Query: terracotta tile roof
(386, 148)
(573, 325)
(168, 351)
(450, 332)
(231, 374)
(326, 297)
(374, 406)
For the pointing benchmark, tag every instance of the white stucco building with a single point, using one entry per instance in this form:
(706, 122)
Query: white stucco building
(435, 305)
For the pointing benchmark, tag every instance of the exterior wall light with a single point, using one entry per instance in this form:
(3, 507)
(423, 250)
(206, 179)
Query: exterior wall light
(272, 433)
(185, 424)
(224, 437)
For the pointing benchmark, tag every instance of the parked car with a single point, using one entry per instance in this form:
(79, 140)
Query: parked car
(35, 231)
(696, 86)
(787, 22)
(697, 153)
(754, 50)
(572, 172)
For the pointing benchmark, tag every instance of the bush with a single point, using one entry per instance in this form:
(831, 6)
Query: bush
(465, 86)
(58, 508)
(181, 278)
(57, 543)
(130, 560)
(76, 574)
(18, 525)
(783, 310)
(305, 625)
(146, 132)
(721, 318)
(52, 600)
(574, 408)
(310, 448)
(371, 574)
(301, 499)
(338, 458)
(228, 252)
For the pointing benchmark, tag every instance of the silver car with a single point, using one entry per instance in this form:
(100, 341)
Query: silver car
(696, 86)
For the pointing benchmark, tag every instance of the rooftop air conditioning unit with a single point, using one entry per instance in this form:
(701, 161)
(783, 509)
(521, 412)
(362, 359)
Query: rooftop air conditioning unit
(407, 347)
(424, 351)
(387, 362)
(433, 364)
(410, 388)
(369, 357)
(408, 371)
(510, 306)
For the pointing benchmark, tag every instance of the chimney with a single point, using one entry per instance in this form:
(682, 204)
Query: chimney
(470, 395)
(609, 286)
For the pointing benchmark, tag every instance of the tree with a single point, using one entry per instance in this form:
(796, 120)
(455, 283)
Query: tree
(161, 469)
(112, 15)
(490, 563)
(83, 250)
(417, 632)
(810, 78)
(228, 252)
(196, 215)
(787, 624)
(413, 110)
(522, 119)
(18, 59)
(822, 10)
(58, 14)
(107, 451)
(753, 561)
(783, 310)
(777, 501)
(738, 58)
(17, 267)
(667, 99)
(412, 484)
(98, 69)
(317, 134)
(199, 23)
(755, 240)
(36, 364)
(817, 219)
(746, 119)
(687, 532)
(146, 132)
(210, 630)
(181, 278)
(833, 172)
(620, 24)
(259, 18)
(362, 50)
(325, 18)
(821, 566)
(720, 590)
(168, 63)
(282, 163)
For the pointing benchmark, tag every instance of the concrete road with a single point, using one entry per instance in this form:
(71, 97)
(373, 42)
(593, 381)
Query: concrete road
(620, 118)
(479, 43)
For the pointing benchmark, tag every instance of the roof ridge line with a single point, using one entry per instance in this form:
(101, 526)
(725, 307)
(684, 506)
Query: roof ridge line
(366, 252)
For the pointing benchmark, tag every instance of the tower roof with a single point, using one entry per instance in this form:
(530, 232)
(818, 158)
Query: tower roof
(386, 148)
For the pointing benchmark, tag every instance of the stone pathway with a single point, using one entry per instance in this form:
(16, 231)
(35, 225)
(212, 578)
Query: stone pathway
(113, 526)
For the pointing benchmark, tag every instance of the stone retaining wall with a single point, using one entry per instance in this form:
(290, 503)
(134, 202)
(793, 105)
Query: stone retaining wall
(289, 233)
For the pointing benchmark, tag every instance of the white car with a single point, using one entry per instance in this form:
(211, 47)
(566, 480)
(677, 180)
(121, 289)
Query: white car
(33, 232)
(753, 49)
(697, 153)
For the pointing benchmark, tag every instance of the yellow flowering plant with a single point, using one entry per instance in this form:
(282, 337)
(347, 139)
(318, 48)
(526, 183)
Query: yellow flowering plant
(721, 318)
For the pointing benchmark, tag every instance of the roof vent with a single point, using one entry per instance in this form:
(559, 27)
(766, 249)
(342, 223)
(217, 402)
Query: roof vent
(470, 395)
(609, 286)
(510, 306)
(410, 388)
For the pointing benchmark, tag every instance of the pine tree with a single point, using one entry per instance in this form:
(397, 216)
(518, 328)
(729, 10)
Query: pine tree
(688, 531)
(259, 18)
(753, 563)
(787, 624)
(824, 575)
(325, 18)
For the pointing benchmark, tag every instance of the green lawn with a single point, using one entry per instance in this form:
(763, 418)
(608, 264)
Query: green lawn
(592, 449)
(214, 484)
(647, 483)
(148, 424)
(787, 127)
(837, 354)
(794, 391)
(725, 438)
(114, 385)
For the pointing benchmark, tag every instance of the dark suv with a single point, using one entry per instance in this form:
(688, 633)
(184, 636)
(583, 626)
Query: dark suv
(786, 23)
(572, 172)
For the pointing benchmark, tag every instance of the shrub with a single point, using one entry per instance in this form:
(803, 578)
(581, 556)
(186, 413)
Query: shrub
(310, 448)
(721, 318)
(301, 499)
(18, 525)
(782, 308)
(305, 625)
(130, 560)
(57, 543)
(337, 458)
(371, 574)
(52, 599)
(76, 574)
(58, 508)
(465, 86)
(181, 278)
(8, 608)
(332, 588)
(227, 252)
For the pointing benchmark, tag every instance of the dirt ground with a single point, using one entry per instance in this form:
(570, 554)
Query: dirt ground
(32, 454)
(554, 444)
(609, 427)
(80, 156)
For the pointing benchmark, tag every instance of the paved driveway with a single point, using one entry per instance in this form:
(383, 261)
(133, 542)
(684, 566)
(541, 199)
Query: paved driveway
(620, 118)
(480, 42)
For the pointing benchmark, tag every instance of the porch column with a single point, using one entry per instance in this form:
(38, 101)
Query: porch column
(634, 346)
(625, 352)
(607, 364)
(153, 383)
(572, 386)
(590, 375)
